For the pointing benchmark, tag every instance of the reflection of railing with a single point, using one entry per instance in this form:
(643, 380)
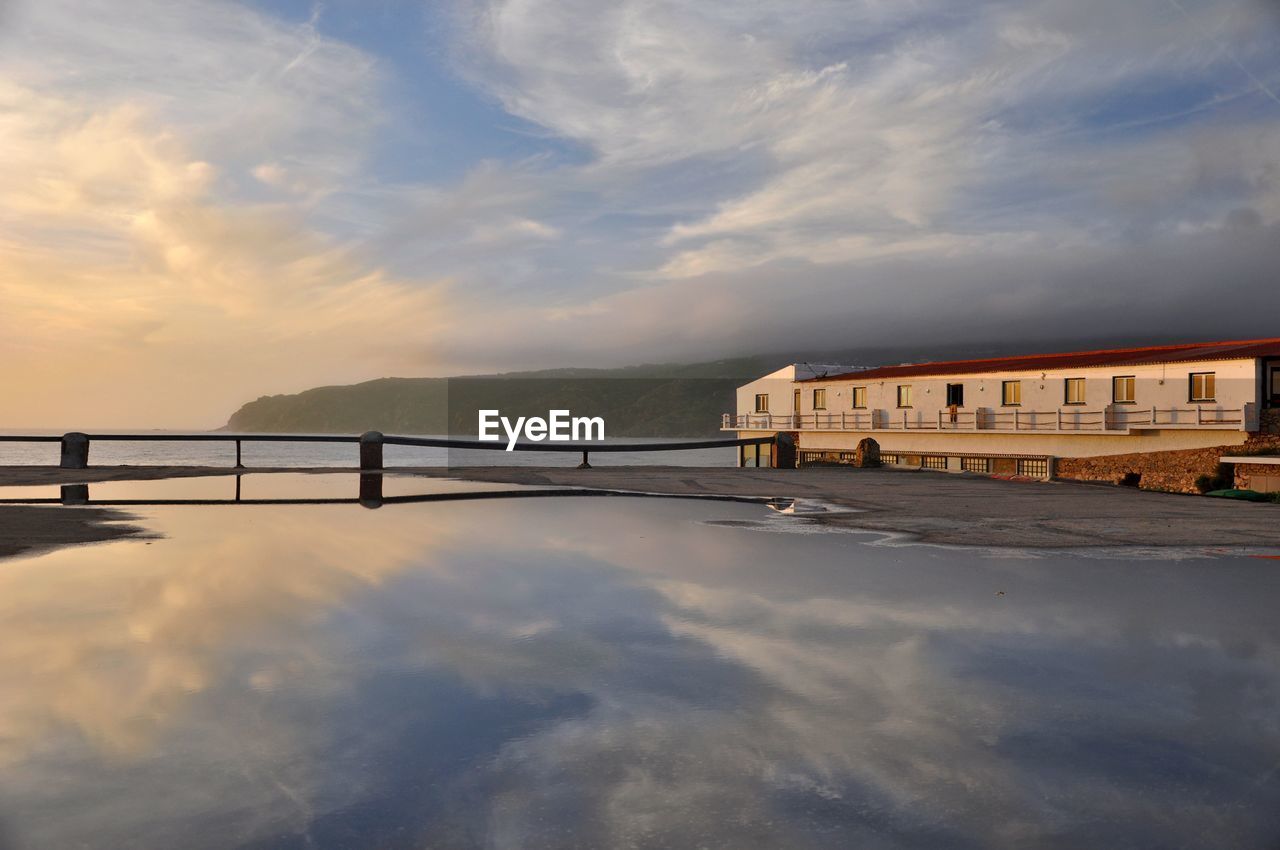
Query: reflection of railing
(370, 496)
(75, 445)
(1066, 419)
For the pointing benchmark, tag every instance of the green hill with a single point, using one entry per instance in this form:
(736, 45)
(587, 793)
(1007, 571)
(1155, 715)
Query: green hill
(656, 400)
(640, 401)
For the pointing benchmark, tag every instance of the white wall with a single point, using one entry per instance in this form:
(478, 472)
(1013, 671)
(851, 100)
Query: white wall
(778, 389)
(1164, 386)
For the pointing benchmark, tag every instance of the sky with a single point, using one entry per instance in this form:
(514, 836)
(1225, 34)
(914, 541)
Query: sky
(205, 202)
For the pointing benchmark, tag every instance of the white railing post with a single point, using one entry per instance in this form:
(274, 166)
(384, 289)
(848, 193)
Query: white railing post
(1015, 419)
(1059, 419)
(1153, 415)
(904, 420)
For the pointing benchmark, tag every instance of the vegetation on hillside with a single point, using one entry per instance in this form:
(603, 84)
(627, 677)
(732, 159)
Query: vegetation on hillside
(662, 400)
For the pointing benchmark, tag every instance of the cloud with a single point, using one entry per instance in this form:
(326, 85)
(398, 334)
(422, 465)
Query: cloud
(144, 278)
(939, 158)
(203, 202)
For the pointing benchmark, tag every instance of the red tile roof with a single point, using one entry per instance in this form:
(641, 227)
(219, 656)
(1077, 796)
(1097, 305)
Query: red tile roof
(1076, 359)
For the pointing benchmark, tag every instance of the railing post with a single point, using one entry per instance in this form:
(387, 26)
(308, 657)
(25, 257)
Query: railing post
(371, 490)
(1015, 419)
(74, 494)
(1153, 416)
(1059, 428)
(239, 464)
(585, 464)
(371, 451)
(75, 451)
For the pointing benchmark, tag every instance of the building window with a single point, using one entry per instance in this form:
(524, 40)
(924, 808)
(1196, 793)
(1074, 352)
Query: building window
(762, 402)
(1011, 393)
(819, 399)
(1203, 386)
(1037, 467)
(904, 395)
(1073, 391)
(859, 397)
(1122, 390)
(795, 402)
(955, 395)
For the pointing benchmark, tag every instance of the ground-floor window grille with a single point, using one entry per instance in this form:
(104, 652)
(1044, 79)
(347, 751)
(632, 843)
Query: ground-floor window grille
(934, 462)
(888, 457)
(975, 464)
(1033, 467)
(811, 456)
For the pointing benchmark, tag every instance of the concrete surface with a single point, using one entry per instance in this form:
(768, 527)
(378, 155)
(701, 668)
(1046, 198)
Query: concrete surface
(936, 507)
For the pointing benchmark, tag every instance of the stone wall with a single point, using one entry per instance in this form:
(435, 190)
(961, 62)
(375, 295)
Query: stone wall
(1176, 471)
(1172, 470)
(1265, 478)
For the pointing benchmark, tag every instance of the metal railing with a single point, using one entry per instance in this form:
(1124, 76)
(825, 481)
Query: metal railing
(369, 493)
(75, 445)
(1114, 418)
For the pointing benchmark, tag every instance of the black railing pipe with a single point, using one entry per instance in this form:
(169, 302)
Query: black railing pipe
(75, 444)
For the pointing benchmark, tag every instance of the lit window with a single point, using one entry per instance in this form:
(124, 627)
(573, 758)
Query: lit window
(1011, 393)
(904, 395)
(762, 402)
(859, 397)
(1202, 386)
(1074, 391)
(1122, 390)
(819, 399)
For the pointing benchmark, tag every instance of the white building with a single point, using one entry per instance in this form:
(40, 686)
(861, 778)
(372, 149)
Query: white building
(1028, 409)
(778, 393)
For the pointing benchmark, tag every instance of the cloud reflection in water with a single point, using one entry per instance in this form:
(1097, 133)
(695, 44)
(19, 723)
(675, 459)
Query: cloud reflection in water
(609, 672)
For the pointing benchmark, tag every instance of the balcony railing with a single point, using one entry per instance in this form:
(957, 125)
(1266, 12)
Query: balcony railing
(1112, 419)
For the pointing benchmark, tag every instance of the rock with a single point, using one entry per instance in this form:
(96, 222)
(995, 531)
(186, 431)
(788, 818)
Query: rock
(867, 454)
(784, 450)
